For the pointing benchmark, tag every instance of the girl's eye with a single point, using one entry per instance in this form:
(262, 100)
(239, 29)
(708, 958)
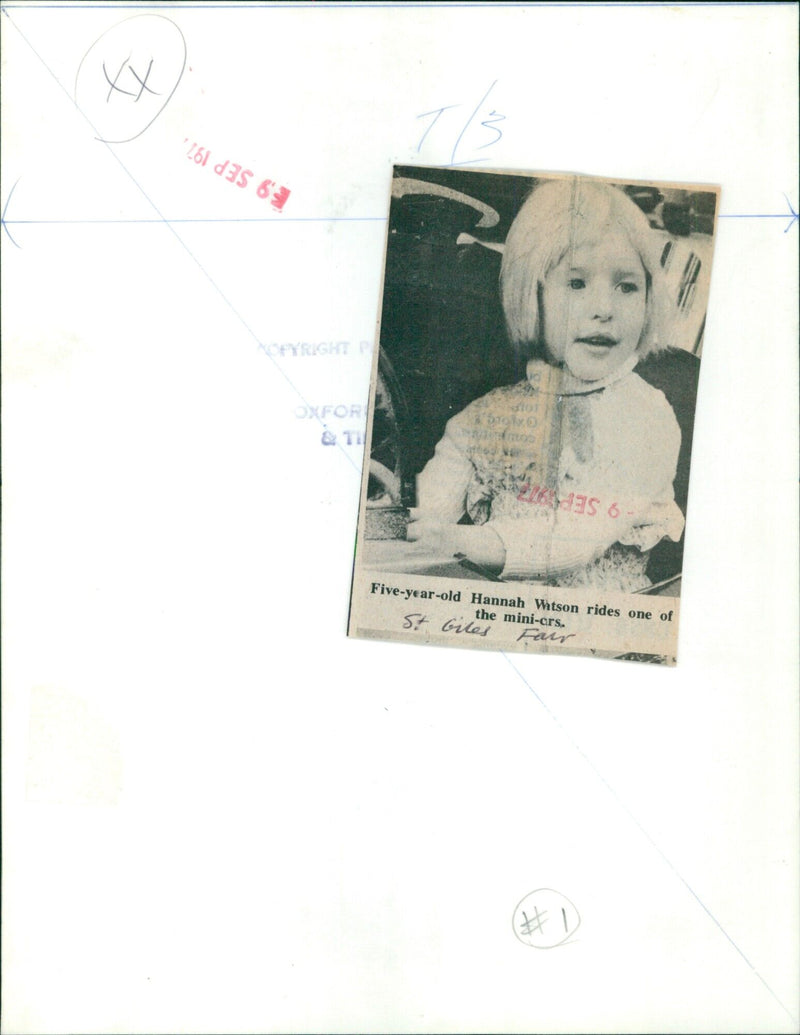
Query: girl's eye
(627, 287)
(576, 283)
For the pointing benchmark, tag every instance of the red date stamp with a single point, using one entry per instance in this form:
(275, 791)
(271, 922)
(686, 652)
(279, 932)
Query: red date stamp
(575, 503)
(239, 176)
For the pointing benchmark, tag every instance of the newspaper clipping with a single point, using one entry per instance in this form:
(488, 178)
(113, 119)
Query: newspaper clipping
(531, 413)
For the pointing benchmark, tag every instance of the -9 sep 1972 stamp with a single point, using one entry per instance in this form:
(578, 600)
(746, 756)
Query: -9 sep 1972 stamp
(531, 412)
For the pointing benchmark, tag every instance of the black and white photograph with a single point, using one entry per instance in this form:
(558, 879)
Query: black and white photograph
(535, 390)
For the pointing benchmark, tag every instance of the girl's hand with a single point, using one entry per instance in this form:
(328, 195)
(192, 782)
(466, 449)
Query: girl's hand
(430, 534)
(480, 543)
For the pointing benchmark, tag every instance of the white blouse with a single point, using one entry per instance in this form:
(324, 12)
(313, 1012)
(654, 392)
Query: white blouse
(562, 470)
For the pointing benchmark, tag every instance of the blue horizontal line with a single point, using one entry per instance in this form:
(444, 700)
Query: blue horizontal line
(301, 219)
(263, 219)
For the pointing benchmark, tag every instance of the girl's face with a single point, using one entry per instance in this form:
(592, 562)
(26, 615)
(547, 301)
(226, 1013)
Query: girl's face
(593, 305)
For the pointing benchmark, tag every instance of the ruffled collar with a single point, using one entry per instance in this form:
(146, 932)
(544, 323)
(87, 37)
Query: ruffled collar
(551, 380)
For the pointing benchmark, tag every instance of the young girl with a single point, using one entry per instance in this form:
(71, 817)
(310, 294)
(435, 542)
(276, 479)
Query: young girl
(567, 476)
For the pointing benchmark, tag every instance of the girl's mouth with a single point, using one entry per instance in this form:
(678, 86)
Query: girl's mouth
(599, 340)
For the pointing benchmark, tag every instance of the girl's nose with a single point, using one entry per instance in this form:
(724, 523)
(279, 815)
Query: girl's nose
(602, 304)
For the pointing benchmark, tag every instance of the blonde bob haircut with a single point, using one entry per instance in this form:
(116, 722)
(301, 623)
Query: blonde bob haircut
(557, 217)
